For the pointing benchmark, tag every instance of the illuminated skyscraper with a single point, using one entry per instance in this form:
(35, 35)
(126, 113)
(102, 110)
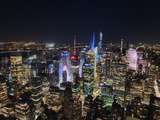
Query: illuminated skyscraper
(65, 66)
(108, 64)
(92, 55)
(18, 73)
(3, 91)
(132, 58)
(10, 80)
(141, 62)
(88, 75)
(45, 89)
(36, 84)
(74, 61)
(22, 111)
(53, 75)
(82, 61)
(36, 96)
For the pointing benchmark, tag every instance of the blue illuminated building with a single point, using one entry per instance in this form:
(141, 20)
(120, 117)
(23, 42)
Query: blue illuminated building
(65, 66)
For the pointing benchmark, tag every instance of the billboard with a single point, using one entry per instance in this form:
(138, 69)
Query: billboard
(132, 58)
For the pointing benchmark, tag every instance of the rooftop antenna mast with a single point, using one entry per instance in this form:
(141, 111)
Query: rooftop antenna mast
(74, 47)
(121, 45)
(74, 43)
(100, 38)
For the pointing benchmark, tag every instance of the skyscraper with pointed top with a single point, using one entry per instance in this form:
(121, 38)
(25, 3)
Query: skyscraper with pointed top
(100, 40)
(74, 47)
(121, 48)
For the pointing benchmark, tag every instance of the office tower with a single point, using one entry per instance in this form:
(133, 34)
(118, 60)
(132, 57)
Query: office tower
(53, 75)
(108, 62)
(141, 62)
(36, 96)
(36, 85)
(10, 81)
(3, 91)
(22, 111)
(88, 79)
(45, 86)
(65, 71)
(74, 63)
(68, 103)
(18, 74)
(7, 110)
(45, 89)
(82, 61)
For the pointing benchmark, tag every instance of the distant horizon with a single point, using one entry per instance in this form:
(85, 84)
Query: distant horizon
(80, 38)
(117, 41)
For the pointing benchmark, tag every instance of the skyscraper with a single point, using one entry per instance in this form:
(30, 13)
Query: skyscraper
(68, 103)
(65, 71)
(3, 91)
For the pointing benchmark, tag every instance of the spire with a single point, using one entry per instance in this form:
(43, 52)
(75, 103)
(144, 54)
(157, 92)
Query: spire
(122, 45)
(74, 47)
(100, 40)
(100, 36)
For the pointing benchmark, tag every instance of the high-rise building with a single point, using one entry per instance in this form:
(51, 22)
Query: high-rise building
(65, 71)
(36, 85)
(45, 89)
(36, 96)
(108, 64)
(18, 74)
(68, 103)
(7, 111)
(22, 111)
(88, 76)
(53, 75)
(81, 62)
(10, 81)
(3, 91)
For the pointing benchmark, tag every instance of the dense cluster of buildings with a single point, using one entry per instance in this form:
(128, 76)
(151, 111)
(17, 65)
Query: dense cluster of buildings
(41, 81)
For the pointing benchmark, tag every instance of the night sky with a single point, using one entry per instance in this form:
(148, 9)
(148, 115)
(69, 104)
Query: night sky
(58, 20)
